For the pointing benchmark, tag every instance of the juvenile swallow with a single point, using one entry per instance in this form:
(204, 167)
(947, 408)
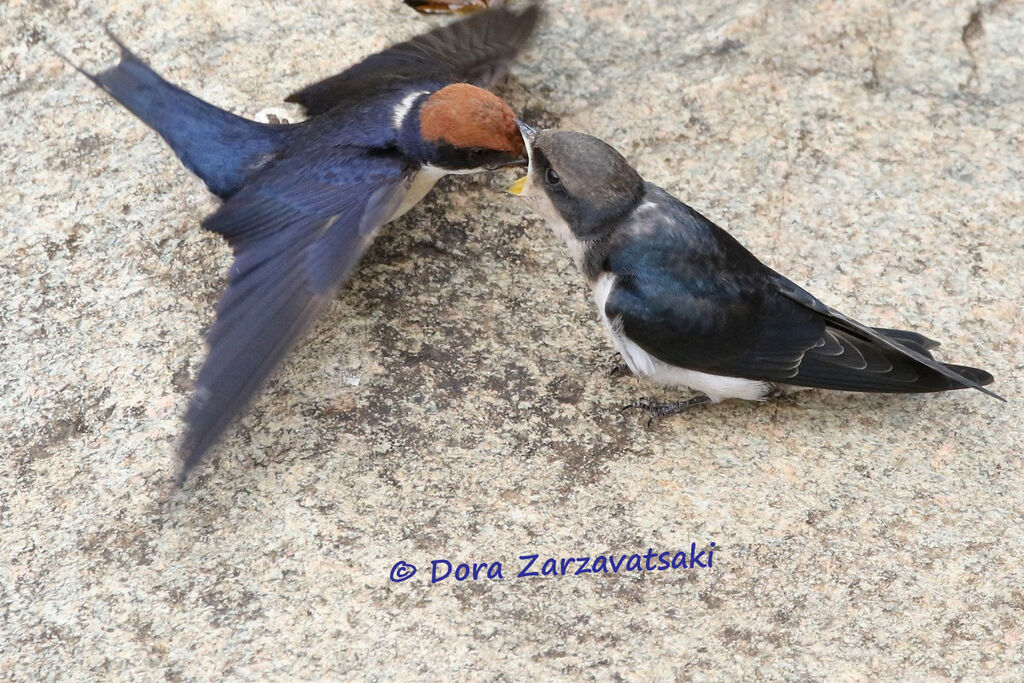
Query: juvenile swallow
(302, 202)
(687, 306)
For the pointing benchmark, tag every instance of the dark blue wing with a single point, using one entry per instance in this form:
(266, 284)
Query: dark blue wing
(691, 295)
(474, 50)
(296, 231)
(715, 324)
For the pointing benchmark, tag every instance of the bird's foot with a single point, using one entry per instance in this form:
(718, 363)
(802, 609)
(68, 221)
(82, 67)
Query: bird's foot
(782, 392)
(619, 367)
(656, 409)
(274, 115)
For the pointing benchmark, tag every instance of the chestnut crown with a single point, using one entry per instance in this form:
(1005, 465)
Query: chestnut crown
(471, 127)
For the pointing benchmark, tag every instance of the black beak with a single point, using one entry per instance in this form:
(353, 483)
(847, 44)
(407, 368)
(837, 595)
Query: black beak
(510, 164)
(529, 134)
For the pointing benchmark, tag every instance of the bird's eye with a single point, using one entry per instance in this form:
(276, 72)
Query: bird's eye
(551, 177)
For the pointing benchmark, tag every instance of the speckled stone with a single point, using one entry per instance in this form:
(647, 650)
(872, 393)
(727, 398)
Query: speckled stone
(454, 403)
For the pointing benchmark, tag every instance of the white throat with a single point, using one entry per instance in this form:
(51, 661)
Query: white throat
(539, 201)
(421, 184)
(716, 387)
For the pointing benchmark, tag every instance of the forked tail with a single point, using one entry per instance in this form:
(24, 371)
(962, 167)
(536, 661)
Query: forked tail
(221, 148)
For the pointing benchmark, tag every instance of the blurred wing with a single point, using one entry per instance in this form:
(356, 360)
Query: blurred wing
(297, 231)
(474, 50)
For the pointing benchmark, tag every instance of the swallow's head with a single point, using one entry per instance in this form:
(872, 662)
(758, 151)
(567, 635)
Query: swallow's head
(466, 128)
(581, 185)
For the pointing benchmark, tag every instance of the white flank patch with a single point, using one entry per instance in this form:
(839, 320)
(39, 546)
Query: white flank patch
(716, 387)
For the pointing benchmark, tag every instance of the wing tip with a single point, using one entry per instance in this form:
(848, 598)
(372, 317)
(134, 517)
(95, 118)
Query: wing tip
(191, 452)
(976, 378)
(526, 19)
(520, 21)
(179, 479)
(991, 393)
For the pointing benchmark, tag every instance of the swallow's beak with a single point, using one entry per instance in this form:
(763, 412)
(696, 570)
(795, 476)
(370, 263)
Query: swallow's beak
(516, 188)
(529, 134)
(509, 164)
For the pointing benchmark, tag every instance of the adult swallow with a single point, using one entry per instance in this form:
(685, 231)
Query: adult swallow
(302, 202)
(688, 306)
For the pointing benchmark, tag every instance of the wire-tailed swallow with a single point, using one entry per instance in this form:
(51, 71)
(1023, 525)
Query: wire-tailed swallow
(302, 202)
(688, 306)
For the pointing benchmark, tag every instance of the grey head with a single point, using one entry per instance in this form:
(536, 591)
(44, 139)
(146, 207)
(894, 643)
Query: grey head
(581, 185)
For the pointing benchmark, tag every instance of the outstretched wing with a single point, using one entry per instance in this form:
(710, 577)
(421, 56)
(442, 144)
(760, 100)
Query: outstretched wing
(716, 309)
(474, 50)
(296, 231)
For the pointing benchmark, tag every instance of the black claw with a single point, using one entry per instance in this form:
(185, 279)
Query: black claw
(643, 405)
(619, 367)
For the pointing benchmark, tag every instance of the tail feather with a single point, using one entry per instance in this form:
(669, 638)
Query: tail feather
(221, 148)
(914, 340)
(976, 375)
(856, 363)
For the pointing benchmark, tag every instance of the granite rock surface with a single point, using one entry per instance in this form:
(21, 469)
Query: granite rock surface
(455, 402)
